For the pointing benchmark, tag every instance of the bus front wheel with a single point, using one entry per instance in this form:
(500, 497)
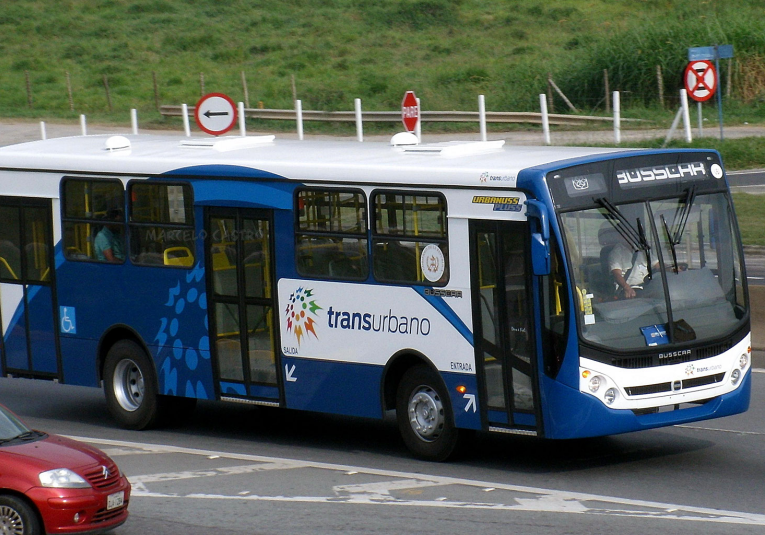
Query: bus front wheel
(130, 385)
(424, 415)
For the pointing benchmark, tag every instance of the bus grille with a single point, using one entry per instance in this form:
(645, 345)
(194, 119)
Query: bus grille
(651, 361)
(667, 387)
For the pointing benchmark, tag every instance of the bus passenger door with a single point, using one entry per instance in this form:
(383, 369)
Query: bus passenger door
(503, 328)
(29, 334)
(240, 278)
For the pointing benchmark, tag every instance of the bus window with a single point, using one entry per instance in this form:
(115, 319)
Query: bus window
(331, 236)
(93, 214)
(10, 243)
(161, 224)
(406, 226)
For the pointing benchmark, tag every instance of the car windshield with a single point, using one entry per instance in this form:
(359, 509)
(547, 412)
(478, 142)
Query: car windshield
(657, 272)
(10, 426)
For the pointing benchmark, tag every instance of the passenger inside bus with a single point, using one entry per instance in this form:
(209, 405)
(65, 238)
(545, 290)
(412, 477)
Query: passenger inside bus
(108, 244)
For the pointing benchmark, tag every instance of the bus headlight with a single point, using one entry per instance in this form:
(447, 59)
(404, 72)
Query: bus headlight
(735, 376)
(595, 383)
(610, 396)
(743, 361)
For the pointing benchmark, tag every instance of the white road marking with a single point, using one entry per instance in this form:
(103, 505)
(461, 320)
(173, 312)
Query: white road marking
(508, 497)
(699, 428)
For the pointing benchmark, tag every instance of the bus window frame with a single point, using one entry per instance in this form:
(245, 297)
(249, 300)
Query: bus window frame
(65, 219)
(374, 235)
(298, 232)
(184, 227)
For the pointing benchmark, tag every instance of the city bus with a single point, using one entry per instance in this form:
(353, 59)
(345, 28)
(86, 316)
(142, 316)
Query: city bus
(467, 286)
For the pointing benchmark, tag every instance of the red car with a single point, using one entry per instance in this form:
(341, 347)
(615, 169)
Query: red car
(51, 484)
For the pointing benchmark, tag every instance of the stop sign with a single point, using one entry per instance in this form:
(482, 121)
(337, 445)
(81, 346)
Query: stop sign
(410, 111)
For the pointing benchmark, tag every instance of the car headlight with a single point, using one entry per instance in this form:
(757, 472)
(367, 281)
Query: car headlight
(62, 478)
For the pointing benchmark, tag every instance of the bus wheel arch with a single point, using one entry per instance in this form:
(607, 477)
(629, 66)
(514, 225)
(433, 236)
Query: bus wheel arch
(397, 366)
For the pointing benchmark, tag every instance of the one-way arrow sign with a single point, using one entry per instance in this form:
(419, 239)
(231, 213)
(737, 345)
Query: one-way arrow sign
(215, 114)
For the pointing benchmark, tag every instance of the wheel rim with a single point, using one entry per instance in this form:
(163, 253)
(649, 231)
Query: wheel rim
(128, 385)
(11, 522)
(426, 413)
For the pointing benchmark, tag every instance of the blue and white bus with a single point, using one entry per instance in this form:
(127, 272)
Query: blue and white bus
(469, 286)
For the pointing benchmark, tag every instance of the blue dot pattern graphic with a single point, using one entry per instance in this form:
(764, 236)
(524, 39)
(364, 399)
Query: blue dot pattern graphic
(182, 340)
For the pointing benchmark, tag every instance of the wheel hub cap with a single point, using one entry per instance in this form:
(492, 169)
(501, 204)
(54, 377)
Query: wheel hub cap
(128, 385)
(10, 522)
(426, 413)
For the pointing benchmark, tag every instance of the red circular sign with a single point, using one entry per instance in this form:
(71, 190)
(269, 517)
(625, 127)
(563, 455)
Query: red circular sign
(215, 113)
(700, 80)
(410, 111)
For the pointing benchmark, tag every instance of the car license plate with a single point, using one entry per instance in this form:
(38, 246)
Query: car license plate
(115, 500)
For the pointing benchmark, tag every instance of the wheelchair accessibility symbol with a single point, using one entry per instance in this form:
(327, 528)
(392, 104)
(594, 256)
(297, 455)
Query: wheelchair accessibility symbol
(68, 322)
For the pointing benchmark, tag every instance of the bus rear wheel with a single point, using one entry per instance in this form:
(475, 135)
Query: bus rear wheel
(130, 386)
(424, 415)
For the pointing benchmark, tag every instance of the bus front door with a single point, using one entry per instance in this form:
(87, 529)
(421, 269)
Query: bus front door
(29, 344)
(503, 328)
(240, 271)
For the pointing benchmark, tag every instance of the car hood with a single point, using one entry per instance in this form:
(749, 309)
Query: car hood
(52, 452)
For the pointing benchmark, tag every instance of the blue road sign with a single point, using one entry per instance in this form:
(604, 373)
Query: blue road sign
(700, 53)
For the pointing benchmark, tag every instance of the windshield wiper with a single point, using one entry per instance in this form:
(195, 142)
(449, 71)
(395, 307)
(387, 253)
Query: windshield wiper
(684, 213)
(624, 227)
(646, 247)
(671, 241)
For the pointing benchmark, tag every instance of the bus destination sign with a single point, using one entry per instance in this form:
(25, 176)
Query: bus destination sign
(682, 172)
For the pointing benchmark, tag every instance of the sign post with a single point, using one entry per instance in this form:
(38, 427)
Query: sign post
(716, 53)
(215, 114)
(410, 111)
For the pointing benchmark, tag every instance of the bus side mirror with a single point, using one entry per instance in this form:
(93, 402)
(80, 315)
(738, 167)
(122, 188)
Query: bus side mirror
(540, 237)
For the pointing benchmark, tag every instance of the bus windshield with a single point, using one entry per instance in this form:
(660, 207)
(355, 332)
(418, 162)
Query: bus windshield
(656, 272)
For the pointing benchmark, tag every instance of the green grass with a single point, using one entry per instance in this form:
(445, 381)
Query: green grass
(750, 211)
(448, 51)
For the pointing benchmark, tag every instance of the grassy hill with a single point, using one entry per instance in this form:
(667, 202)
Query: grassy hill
(337, 50)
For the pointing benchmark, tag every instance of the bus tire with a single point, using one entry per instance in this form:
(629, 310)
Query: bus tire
(424, 415)
(17, 516)
(130, 385)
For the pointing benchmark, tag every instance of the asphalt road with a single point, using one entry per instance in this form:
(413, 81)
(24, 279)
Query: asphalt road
(252, 470)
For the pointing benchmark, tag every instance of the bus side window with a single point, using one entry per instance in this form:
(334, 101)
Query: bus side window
(331, 234)
(89, 207)
(161, 224)
(405, 227)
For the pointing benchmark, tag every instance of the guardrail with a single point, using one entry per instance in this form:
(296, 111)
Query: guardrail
(395, 116)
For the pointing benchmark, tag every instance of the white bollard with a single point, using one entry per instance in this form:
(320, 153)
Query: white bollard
(299, 113)
(186, 126)
(482, 116)
(84, 125)
(617, 118)
(418, 127)
(134, 120)
(545, 118)
(359, 124)
(43, 134)
(242, 126)
(686, 115)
